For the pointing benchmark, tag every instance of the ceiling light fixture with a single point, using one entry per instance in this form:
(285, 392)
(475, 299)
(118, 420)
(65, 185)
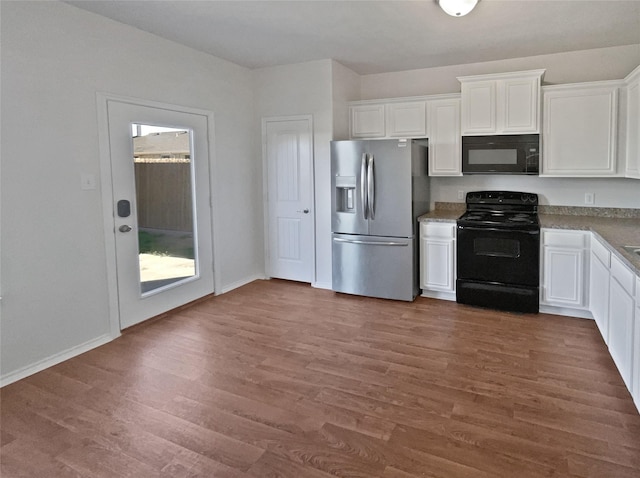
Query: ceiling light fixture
(457, 8)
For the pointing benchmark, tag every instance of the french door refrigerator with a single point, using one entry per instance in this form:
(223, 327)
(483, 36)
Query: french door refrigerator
(379, 188)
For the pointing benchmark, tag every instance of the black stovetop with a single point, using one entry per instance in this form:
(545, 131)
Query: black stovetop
(502, 209)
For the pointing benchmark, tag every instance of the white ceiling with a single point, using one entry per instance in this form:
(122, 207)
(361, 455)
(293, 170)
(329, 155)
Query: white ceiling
(379, 36)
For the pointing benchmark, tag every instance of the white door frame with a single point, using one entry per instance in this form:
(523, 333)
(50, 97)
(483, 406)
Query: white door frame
(108, 198)
(265, 188)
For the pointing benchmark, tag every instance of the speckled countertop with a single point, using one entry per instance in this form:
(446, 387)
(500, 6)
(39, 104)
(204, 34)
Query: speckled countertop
(617, 228)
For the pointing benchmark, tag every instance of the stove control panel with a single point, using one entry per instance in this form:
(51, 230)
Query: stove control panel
(502, 197)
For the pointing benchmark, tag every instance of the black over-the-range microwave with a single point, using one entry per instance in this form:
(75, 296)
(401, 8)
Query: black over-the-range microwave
(501, 154)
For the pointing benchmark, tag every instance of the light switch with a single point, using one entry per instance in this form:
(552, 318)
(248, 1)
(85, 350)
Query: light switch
(87, 181)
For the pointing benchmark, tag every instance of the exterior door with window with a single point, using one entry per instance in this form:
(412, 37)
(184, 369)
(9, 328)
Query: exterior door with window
(161, 208)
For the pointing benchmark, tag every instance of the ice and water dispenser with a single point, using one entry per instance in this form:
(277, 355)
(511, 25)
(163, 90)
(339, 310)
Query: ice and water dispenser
(346, 194)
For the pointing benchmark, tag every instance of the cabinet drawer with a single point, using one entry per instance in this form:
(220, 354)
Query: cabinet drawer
(601, 252)
(435, 229)
(623, 275)
(576, 240)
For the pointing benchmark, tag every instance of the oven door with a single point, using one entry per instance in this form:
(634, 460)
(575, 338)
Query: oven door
(498, 256)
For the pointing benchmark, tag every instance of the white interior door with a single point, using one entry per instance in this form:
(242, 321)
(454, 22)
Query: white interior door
(290, 222)
(161, 208)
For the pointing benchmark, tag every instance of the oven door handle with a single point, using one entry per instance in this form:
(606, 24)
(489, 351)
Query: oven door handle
(495, 229)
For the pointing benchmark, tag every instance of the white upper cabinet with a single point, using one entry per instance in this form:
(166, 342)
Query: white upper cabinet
(505, 103)
(633, 125)
(407, 120)
(388, 119)
(367, 121)
(580, 129)
(479, 107)
(445, 146)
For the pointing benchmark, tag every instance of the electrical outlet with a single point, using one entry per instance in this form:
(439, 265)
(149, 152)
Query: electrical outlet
(460, 194)
(589, 198)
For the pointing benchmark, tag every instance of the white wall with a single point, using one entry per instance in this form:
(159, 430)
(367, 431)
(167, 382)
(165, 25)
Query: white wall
(55, 58)
(611, 63)
(304, 89)
(345, 87)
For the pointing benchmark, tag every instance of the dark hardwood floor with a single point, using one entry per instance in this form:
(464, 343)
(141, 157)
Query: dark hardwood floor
(277, 379)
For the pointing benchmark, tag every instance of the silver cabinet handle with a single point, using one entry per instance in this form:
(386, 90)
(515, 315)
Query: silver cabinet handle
(124, 228)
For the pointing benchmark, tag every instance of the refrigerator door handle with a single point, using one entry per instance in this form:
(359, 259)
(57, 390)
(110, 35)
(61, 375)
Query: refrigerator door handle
(371, 188)
(371, 243)
(363, 187)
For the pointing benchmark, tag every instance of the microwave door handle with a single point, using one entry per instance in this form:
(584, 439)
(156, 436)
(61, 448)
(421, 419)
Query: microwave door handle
(371, 187)
(363, 185)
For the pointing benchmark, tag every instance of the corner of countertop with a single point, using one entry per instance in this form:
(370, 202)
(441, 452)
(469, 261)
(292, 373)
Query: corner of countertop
(444, 212)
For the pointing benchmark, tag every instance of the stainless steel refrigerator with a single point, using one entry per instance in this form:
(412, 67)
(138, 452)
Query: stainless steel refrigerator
(379, 188)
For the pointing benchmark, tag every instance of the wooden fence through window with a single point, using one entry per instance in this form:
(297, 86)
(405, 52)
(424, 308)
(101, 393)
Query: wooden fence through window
(163, 194)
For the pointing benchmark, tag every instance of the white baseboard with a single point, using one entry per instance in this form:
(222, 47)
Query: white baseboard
(54, 359)
(439, 295)
(322, 285)
(567, 312)
(240, 283)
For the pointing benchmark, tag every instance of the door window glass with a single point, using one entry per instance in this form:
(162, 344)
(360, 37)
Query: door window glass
(162, 159)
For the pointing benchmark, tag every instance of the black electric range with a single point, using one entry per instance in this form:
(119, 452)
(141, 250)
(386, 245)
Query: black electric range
(498, 251)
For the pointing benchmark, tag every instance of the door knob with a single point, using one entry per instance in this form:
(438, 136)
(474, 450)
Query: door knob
(124, 228)
(306, 211)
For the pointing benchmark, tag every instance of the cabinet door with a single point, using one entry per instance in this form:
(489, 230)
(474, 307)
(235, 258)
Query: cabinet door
(445, 146)
(563, 277)
(367, 121)
(621, 317)
(520, 103)
(633, 128)
(599, 296)
(479, 107)
(438, 265)
(635, 391)
(580, 131)
(408, 120)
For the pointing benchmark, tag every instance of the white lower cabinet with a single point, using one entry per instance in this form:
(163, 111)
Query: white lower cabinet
(563, 269)
(438, 260)
(635, 385)
(621, 318)
(599, 286)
